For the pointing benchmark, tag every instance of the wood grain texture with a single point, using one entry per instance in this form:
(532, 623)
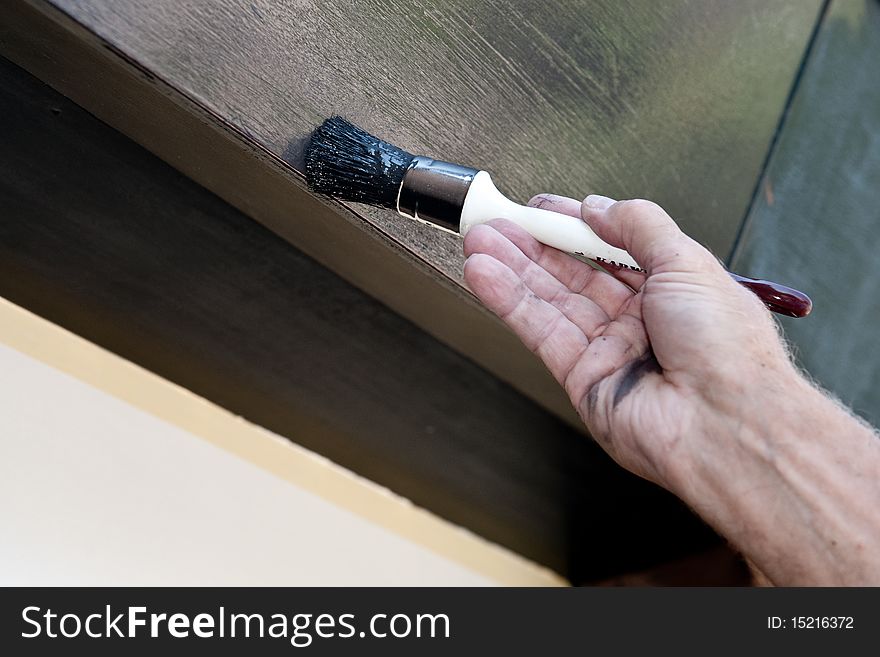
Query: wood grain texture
(108, 241)
(674, 100)
(815, 222)
(224, 159)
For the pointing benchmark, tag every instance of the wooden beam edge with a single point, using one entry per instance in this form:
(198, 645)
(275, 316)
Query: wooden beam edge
(184, 133)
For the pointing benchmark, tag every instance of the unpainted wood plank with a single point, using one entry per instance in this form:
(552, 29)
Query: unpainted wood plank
(815, 221)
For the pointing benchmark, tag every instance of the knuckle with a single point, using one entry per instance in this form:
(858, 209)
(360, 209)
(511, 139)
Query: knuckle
(639, 207)
(642, 213)
(700, 257)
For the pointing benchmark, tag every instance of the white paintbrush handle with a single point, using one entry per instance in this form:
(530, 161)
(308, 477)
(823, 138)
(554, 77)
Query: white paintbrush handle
(484, 202)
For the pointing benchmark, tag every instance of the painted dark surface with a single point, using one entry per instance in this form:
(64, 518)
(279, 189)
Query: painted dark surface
(674, 101)
(105, 239)
(816, 221)
(214, 153)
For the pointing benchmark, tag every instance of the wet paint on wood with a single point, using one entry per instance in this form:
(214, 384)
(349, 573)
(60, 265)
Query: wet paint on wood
(108, 241)
(676, 101)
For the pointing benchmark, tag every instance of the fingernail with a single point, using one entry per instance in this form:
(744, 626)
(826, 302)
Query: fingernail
(540, 200)
(597, 202)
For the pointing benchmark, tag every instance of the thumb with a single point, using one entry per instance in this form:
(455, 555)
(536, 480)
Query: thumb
(649, 235)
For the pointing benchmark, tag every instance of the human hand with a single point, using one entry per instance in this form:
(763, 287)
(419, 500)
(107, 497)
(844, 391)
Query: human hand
(653, 363)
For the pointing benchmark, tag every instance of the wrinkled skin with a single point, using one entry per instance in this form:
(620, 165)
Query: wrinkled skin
(682, 377)
(646, 360)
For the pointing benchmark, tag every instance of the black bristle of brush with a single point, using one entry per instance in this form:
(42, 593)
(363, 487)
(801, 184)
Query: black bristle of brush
(347, 163)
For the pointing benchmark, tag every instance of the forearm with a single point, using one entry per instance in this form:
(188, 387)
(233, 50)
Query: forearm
(793, 480)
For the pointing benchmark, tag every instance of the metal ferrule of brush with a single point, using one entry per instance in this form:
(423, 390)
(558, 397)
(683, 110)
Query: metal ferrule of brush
(433, 190)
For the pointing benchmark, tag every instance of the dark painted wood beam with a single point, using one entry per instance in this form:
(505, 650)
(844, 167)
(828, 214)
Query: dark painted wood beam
(676, 101)
(105, 239)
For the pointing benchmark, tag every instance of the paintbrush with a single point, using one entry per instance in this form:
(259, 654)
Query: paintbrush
(347, 163)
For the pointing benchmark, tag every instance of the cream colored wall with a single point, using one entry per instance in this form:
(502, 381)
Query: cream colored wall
(111, 475)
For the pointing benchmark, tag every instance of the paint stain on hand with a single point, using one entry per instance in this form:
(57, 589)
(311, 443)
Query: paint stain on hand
(633, 374)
